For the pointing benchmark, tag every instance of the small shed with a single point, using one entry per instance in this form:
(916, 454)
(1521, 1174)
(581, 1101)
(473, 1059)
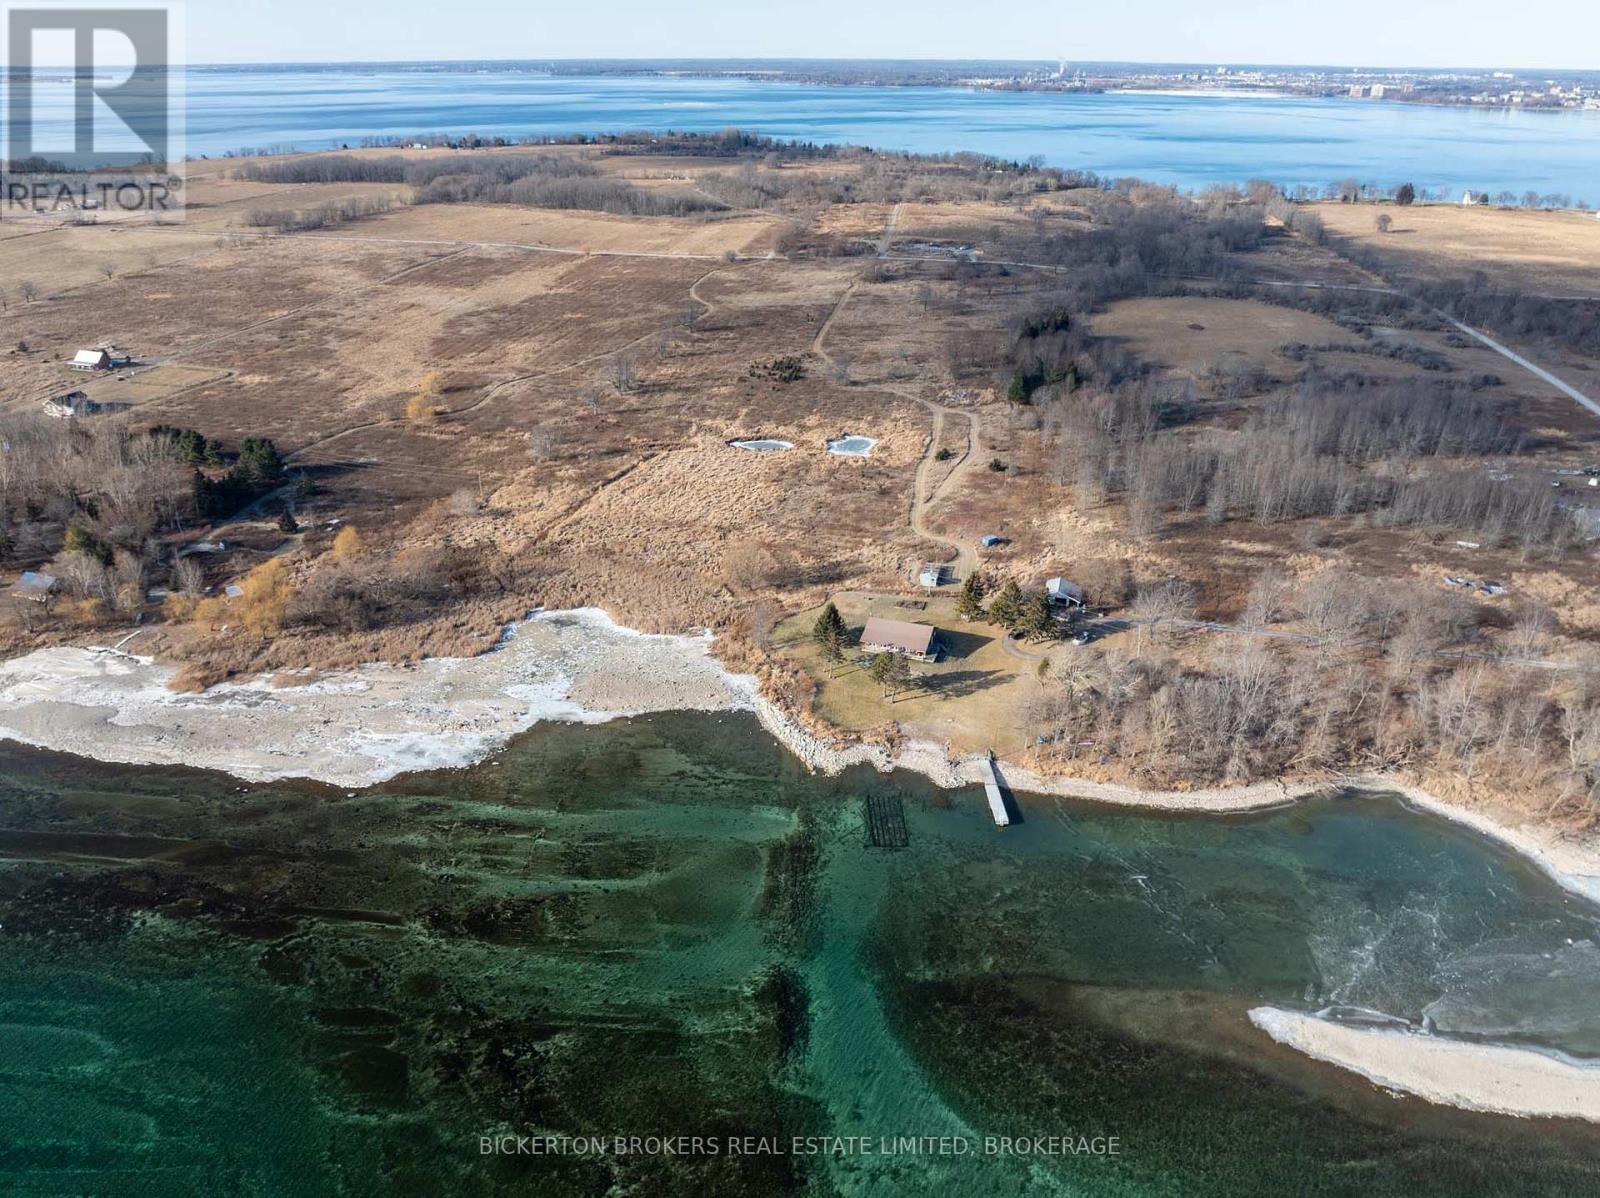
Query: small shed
(932, 576)
(34, 586)
(990, 541)
(900, 636)
(1068, 594)
(92, 359)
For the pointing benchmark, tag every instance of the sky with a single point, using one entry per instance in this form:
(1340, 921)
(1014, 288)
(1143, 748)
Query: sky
(1375, 33)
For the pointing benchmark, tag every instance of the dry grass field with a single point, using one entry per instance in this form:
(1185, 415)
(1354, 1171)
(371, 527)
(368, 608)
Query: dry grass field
(1555, 253)
(1199, 335)
(580, 232)
(587, 372)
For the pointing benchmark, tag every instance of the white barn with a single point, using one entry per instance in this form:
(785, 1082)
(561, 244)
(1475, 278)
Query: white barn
(91, 359)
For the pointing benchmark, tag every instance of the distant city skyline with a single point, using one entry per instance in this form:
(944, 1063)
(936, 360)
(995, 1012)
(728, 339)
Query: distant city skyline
(1376, 34)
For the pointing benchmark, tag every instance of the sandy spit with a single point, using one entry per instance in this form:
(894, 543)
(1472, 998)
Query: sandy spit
(358, 727)
(1478, 1077)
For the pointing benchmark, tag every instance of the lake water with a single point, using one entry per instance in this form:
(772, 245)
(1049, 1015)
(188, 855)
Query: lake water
(1189, 140)
(665, 926)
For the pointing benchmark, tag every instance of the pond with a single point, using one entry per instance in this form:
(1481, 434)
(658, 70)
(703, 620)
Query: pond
(852, 446)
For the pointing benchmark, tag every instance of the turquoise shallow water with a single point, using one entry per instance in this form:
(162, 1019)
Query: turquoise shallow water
(1192, 141)
(664, 927)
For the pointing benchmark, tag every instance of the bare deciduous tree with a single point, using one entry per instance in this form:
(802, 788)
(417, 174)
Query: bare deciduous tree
(1267, 599)
(543, 443)
(187, 577)
(623, 371)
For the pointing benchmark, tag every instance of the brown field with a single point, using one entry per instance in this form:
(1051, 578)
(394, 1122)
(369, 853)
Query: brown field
(1556, 253)
(583, 232)
(1198, 335)
(625, 493)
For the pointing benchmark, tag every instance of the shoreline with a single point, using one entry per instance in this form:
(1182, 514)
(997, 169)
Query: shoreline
(360, 727)
(1494, 1078)
(1575, 868)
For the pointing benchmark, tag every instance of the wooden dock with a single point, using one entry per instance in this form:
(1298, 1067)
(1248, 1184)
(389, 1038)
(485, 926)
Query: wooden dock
(991, 790)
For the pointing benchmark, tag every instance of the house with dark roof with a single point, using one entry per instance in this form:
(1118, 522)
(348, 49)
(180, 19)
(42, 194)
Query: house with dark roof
(73, 403)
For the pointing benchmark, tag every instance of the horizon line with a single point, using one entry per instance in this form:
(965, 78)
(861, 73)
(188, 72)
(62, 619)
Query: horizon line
(1079, 62)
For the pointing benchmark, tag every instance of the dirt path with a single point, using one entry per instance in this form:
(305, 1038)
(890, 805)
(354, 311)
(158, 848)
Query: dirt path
(1009, 645)
(1540, 372)
(921, 497)
(817, 346)
(888, 231)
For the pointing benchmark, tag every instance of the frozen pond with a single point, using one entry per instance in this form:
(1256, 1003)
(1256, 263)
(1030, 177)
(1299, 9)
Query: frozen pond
(851, 446)
(765, 445)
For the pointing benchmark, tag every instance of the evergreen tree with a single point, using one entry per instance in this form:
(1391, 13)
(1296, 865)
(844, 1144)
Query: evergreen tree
(829, 633)
(1406, 195)
(200, 493)
(1037, 618)
(970, 604)
(260, 464)
(79, 539)
(287, 522)
(1006, 607)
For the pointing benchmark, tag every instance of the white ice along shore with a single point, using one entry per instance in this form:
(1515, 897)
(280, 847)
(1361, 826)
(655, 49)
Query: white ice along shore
(1477, 1077)
(362, 726)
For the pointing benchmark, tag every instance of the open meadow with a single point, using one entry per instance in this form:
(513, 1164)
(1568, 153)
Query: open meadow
(500, 379)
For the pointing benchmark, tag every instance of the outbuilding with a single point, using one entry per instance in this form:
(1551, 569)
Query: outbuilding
(35, 586)
(1064, 593)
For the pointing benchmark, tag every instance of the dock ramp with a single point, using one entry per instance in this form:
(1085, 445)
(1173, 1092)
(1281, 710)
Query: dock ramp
(991, 791)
